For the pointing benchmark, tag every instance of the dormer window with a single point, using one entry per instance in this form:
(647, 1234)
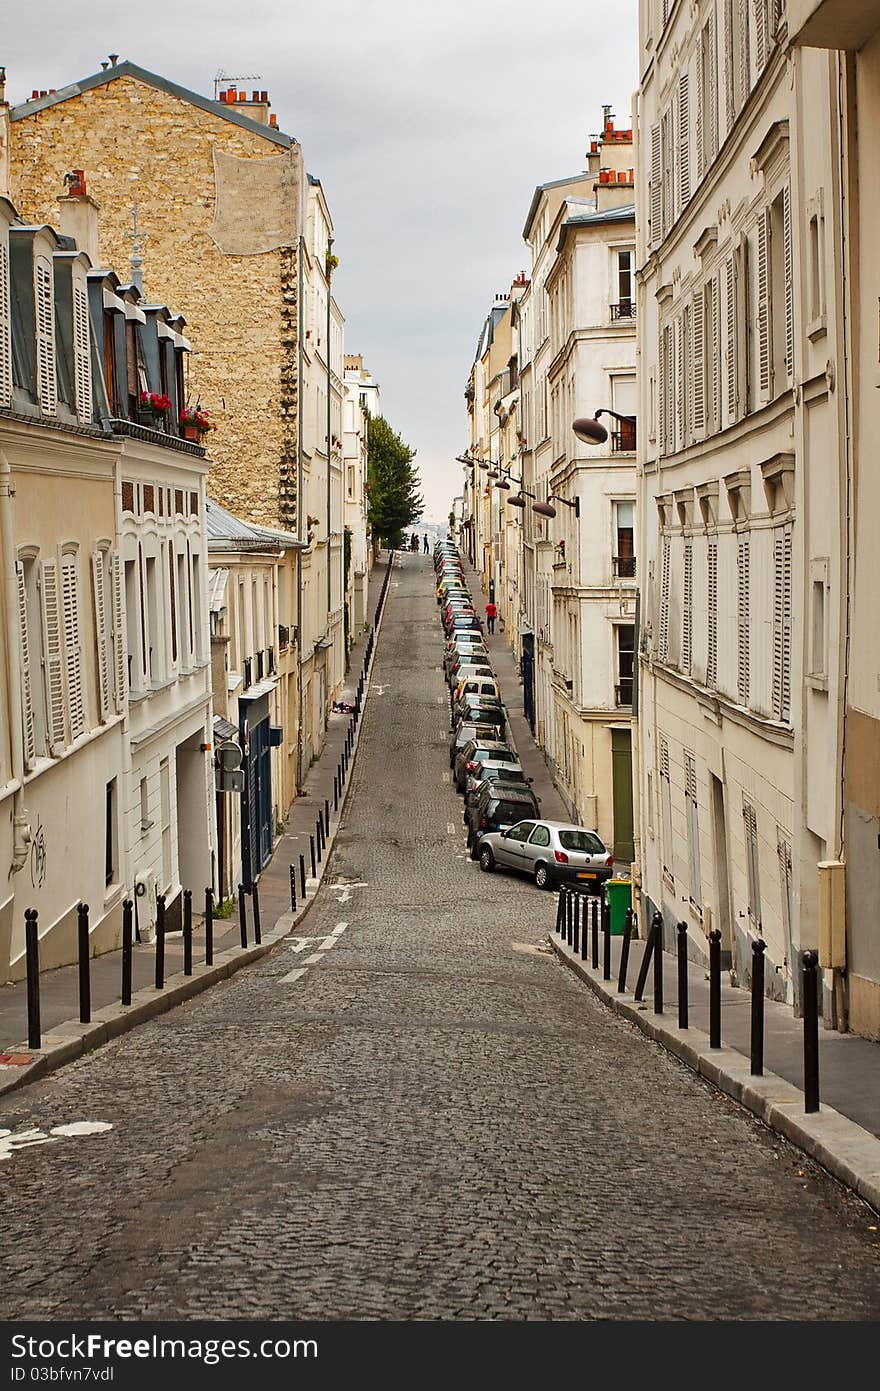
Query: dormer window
(44, 323)
(5, 325)
(110, 360)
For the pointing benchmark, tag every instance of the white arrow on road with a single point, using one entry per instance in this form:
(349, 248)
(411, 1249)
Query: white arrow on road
(344, 890)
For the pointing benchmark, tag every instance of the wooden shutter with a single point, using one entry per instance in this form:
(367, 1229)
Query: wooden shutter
(750, 822)
(742, 619)
(730, 63)
(82, 353)
(668, 212)
(680, 418)
(687, 625)
(5, 329)
(656, 187)
(765, 366)
(730, 350)
(712, 615)
(783, 852)
(666, 795)
(782, 603)
(698, 364)
(24, 653)
(788, 272)
(663, 627)
(760, 8)
(103, 646)
(44, 315)
(713, 356)
(693, 828)
(684, 140)
(745, 72)
(713, 86)
(699, 122)
(72, 652)
(120, 656)
(52, 657)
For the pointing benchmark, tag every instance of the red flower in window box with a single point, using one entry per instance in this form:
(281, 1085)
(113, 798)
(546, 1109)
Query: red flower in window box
(195, 422)
(151, 403)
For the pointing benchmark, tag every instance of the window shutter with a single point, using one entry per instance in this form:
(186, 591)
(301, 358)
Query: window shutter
(699, 123)
(765, 373)
(731, 346)
(693, 827)
(730, 62)
(120, 656)
(656, 187)
(713, 86)
(680, 418)
(750, 821)
(687, 608)
(742, 620)
(668, 211)
(72, 653)
(44, 315)
(684, 140)
(663, 633)
(101, 634)
(712, 624)
(760, 7)
(745, 72)
(666, 794)
(789, 282)
(5, 329)
(52, 656)
(27, 704)
(82, 354)
(698, 363)
(782, 602)
(713, 349)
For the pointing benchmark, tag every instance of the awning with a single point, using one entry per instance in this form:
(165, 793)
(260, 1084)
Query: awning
(261, 688)
(224, 729)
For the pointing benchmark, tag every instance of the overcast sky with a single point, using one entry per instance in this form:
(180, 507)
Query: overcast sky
(429, 127)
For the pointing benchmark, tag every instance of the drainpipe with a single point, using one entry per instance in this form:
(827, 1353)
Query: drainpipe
(329, 388)
(300, 392)
(21, 832)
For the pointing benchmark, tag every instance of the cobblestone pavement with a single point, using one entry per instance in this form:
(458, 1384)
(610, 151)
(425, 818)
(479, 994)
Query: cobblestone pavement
(434, 1120)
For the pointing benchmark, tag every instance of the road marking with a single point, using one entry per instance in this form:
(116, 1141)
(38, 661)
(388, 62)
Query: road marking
(11, 1142)
(314, 958)
(378, 690)
(292, 976)
(340, 927)
(450, 828)
(344, 889)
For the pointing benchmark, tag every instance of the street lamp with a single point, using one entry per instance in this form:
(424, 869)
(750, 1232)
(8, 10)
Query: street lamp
(589, 430)
(546, 509)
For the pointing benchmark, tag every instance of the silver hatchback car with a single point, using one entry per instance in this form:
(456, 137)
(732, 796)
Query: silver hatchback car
(551, 852)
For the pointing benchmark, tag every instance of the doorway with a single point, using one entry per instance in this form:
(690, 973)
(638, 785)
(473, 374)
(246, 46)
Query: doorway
(622, 794)
(722, 873)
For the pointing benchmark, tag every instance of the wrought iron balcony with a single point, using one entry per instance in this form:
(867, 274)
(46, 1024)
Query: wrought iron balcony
(625, 567)
(623, 692)
(623, 438)
(626, 309)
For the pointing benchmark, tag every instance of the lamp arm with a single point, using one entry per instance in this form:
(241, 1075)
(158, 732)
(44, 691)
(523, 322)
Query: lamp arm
(605, 410)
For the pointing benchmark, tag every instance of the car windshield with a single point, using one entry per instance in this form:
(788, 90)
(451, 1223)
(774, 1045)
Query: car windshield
(584, 841)
(504, 775)
(508, 812)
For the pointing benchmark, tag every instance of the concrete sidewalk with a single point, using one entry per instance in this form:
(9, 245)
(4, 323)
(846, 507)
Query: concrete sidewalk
(59, 989)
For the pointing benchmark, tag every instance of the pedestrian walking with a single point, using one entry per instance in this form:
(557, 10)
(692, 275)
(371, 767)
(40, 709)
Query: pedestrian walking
(425, 539)
(491, 614)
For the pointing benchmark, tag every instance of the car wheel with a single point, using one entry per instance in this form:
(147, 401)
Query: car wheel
(474, 847)
(487, 860)
(542, 877)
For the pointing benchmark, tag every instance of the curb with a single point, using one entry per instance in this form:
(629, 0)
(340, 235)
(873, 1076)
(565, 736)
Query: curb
(70, 1040)
(849, 1152)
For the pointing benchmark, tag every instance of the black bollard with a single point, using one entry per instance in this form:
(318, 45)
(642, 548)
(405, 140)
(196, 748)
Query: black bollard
(85, 991)
(584, 932)
(319, 836)
(594, 932)
(209, 927)
(336, 791)
(683, 1019)
(715, 988)
(242, 914)
(127, 933)
(302, 875)
(576, 924)
(187, 932)
(32, 962)
(569, 916)
(560, 911)
(292, 889)
(160, 942)
(624, 951)
(810, 994)
(758, 949)
(642, 978)
(606, 940)
(312, 849)
(326, 818)
(658, 966)
(255, 895)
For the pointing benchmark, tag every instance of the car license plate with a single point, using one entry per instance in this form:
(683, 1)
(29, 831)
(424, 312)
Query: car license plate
(588, 875)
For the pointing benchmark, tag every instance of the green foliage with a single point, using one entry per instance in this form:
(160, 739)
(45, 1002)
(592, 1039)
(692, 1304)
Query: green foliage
(225, 909)
(395, 501)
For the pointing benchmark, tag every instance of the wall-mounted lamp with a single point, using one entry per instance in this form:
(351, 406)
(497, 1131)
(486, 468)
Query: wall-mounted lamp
(546, 509)
(589, 429)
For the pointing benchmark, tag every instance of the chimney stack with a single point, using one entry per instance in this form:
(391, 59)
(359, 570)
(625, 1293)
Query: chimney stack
(79, 215)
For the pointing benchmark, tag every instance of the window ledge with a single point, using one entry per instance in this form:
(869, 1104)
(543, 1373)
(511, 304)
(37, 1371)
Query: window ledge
(817, 328)
(817, 682)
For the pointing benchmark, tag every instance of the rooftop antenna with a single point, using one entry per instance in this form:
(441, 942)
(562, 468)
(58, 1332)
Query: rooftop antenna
(227, 77)
(136, 261)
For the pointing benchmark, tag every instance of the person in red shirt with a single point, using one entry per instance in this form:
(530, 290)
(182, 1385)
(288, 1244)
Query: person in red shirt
(491, 613)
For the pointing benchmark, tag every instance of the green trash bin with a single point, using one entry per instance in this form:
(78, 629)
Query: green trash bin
(619, 894)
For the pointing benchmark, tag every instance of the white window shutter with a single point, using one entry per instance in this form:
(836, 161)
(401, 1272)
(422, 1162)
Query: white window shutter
(730, 63)
(82, 353)
(27, 704)
(712, 624)
(699, 123)
(687, 608)
(656, 187)
(693, 827)
(745, 70)
(698, 364)
(72, 651)
(663, 627)
(684, 140)
(788, 271)
(5, 329)
(680, 385)
(742, 620)
(713, 353)
(44, 316)
(760, 9)
(52, 656)
(765, 370)
(730, 352)
(120, 655)
(101, 634)
(713, 86)
(782, 623)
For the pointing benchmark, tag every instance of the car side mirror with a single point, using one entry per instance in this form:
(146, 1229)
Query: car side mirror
(531, 779)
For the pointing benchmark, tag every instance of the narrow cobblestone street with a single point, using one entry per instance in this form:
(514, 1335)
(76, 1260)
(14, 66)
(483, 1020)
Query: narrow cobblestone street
(434, 1120)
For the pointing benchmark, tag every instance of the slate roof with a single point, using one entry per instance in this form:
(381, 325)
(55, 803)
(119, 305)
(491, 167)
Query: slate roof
(227, 532)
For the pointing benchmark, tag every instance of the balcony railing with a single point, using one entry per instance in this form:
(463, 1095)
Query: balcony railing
(623, 438)
(623, 691)
(248, 678)
(625, 567)
(626, 309)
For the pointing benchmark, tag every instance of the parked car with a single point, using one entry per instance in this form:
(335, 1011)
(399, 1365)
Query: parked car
(476, 752)
(491, 771)
(469, 671)
(477, 685)
(458, 652)
(491, 788)
(482, 730)
(550, 851)
(499, 805)
(475, 706)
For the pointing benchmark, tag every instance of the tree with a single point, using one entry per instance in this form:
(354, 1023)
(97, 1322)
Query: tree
(395, 501)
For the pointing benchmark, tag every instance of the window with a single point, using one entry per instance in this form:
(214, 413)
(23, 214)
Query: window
(742, 620)
(625, 306)
(625, 659)
(775, 288)
(146, 823)
(134, 634)
(817, 272)
(44, 316)
(663, 625)
(624, 540)
(818, 637)
(707, 107)
(782, 623)
(165, 813)
(712, 614)
(111, 854)
(102, 602)
(110, 361)
(693, 829)
(154, 664)
(540, 836)
(666, 810)
(750, 823)
(72, 644)
(687, 609)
